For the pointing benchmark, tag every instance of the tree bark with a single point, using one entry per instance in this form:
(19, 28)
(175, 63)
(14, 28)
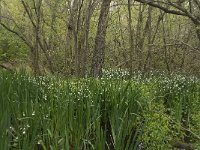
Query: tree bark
(0, 9)
(150, 41)
(198, 32)
(140, 36)
(99, 50)
(130, 37)
(78, 40)
(166, 58)
(90, 9)
(37, 8)
(69, 52)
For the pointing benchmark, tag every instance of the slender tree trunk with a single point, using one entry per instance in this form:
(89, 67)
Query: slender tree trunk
(78, 40)
(186, 40)
(35, 60)
(89, 13)
(125, 61)
(69, 52)
(166, 59)
(99, 50)
(79, 51)
(0, 9)
(51, 41)
(140, 36)
(150, 41)
(130, 37)
(198, 32)
(37, 7)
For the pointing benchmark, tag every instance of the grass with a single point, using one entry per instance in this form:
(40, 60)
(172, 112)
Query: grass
(109, 113)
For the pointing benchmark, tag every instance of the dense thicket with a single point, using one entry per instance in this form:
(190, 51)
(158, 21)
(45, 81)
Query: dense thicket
(80, 37)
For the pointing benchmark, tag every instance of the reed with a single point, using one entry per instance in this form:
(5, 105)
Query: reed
(108, 113)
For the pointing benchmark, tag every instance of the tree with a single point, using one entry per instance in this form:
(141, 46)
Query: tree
(34, 38)
(71, 37)
(130, 36)
(83, 45)
(62, 36)
(187, 8)
(100, 39)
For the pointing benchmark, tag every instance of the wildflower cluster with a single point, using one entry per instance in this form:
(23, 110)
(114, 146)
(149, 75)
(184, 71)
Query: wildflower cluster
(63, 113)
(115, 74)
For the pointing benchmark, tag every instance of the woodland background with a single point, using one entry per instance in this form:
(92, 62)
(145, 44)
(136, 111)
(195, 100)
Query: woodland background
(117, 41)
(80, 37)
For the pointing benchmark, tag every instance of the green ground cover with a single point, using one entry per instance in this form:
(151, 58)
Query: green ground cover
(117, 113)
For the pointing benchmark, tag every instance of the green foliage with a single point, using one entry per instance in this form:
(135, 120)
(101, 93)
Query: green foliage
(67, 114)
(11, 48)
(156, 133)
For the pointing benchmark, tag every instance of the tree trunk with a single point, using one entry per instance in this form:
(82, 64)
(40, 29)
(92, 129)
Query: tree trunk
(130, 37)
(150, 41)
(140, 36)
(35, 59)
(99, 50)
(89, 12)
(0, 9)
(79, 40)
(166, 57)
(69, 52)
(198, 32)
(37, 7)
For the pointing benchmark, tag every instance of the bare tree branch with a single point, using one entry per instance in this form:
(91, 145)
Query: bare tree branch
(177, 11)
(18, 34)
(165, 9)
